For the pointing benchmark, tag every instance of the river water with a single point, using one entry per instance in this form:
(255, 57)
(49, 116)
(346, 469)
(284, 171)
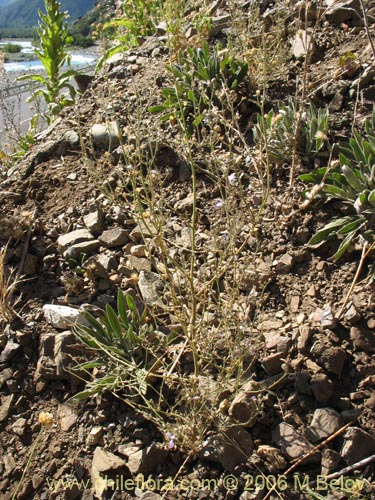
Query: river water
(77, 59)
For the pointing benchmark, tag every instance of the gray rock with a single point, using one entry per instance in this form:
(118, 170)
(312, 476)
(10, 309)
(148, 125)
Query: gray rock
(10, 350)
(244, 408)
(85, 247)
(62, 316)
(272, 363)
(327, 319)
(115, 237)
(138, 250)
(134, 461)
(30, 265)
(152, 457)
(5, 375)
(6, 406)
(352, 315)
(229, 449)
(333, 359)
(326, 421)
(105, 466)
(138, 264)
(150, 286)
(100, 265)
(340, 11)
(67, 415)
(55, 357)
(292, 443)
(322, 388)
(302, 44)
(9, 463)
(72, 138)
(67, 240)
(95, 435)
(143, 230)
(105, 136)
(358, 445)
(330, 461)
(19, 426)
(363, 338)
(94, 221)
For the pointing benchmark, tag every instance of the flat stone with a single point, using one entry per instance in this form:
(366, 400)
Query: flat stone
(95, 435)
(322, 388)
(229, 449)
(363, 338)
(153, 457)
(10, 350)
(139, 264)
(85, 247)
(292, 443)
(9, 463)
(302, 43)
(115, 237)
(143, 230)
(19, 426)
(67, 240)
(340, 11)
(327, 319)
(150, 286)
(333, 359)
(68, 417)
(62, 316)
(272, 363)
(94, 221)
(6, 405)
(358, 444)
(100, 265)
(5, 375)
(30, 265)
(330, 461)
(134, 461)
(104, 465)
(285, 264)
(325, 422)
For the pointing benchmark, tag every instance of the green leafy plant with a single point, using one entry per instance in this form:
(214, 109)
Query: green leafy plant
(77, 265)
(277, 131)
(201, 77)
(52, 52)
(353, 183)
(126, 346)
(138, 19)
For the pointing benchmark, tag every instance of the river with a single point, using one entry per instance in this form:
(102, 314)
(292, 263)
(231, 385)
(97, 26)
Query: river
(77, 59)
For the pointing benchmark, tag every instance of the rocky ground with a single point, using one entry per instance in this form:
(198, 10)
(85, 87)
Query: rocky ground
(310, 373)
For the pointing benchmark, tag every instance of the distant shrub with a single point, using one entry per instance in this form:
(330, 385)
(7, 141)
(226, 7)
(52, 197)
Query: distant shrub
(11, 48)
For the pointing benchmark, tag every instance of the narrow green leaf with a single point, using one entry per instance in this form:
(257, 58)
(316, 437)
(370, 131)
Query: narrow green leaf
(122, 308)
(328, 231)
(351, 178)
(344, 246)
(113, 321)
(353, 225)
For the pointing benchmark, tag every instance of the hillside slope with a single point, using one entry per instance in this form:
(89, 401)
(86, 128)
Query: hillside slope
(238, 332)
(24, 13)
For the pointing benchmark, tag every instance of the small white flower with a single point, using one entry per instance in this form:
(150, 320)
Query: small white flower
(219, 203)
(232, 179)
